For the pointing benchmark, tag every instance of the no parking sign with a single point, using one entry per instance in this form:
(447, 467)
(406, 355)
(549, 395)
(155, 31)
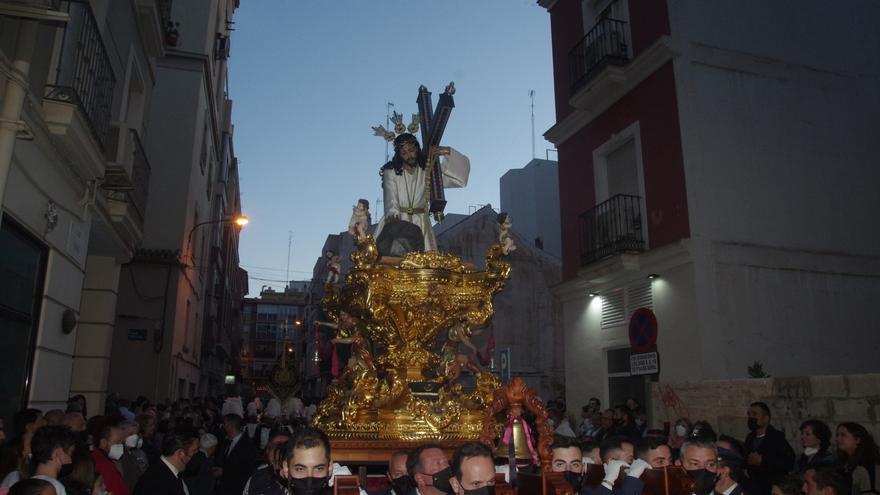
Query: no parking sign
(643, 340)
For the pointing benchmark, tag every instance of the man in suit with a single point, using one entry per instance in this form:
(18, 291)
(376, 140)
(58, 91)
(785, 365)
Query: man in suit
(768, 453)
(238, 459)
(729, 472)
(163, 477)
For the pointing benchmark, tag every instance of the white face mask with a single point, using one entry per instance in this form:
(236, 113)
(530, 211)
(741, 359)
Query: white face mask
(131, 441)
(811, 451)
(116, 451)
(680, 430)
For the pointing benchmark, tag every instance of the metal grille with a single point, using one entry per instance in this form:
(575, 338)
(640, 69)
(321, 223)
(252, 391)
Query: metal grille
(613, 312)
(612, 227)
(638, 295)
(85, 76)
(603, 45)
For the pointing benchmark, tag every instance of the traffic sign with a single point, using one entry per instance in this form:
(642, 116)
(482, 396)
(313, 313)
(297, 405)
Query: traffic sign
(643, 331)
(504, 356)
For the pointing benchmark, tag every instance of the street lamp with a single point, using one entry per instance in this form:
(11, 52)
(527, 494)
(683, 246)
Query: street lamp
(238, 220)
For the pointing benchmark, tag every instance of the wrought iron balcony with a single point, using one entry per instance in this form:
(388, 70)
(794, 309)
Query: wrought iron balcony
(85, 76)
(165, 12)
(612, 227)
(605, 44)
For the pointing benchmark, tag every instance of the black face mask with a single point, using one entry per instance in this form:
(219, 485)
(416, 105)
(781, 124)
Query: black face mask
(753, 424)
(618, 422)
(486, 490)
(574, 478)
(705, 481)
(402, 485)
(440, 480)
(308, 486)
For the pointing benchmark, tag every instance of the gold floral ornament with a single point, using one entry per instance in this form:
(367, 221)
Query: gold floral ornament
(401, 308)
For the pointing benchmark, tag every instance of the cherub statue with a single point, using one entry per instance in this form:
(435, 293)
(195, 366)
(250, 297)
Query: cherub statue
(505, 222)
(454, 359)
(360, 219)
(334, 265)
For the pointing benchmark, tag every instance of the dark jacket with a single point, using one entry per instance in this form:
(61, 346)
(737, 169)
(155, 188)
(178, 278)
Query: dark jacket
(238, 465)
(777, 459)
(629, 486)
(263, 482)
(198, 475)
(737, 490)
(821, 458)
(159, 480)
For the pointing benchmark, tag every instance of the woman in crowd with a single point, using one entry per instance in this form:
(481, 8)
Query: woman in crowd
(678, 434)
(816, 440)
(857, 454)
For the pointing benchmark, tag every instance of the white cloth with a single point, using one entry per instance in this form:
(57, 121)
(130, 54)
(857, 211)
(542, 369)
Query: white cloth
(730, 490)
(273, 409)
(12, 478)
(59, 488)
(564, 429)
(293, 407)
(232, 405)
(408, 191)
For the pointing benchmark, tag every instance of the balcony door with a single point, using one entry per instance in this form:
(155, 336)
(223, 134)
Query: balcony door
(22, 269)
(617, 169)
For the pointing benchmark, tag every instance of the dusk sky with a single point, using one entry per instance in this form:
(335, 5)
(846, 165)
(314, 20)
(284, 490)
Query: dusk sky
(309, 79)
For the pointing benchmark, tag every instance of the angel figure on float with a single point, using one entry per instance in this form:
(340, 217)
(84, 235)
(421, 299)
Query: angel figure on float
(360, 221)
(505, 237)
(454, 359)
(334, 266)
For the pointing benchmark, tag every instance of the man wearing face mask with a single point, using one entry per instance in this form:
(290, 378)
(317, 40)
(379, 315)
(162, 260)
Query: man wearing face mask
(699, 458)
(108, 451)
(428, 466)
(567, 458)
(308, 464)
(134, 461)
(401, 483)
(51, 448)
(473, 470)
(178, 447)
(768, 453)
(617, 456)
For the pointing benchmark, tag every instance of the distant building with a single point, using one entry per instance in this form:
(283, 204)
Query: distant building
(531, 196)
(527, 314)
(730, 153)
(271, 328)
(180, 296)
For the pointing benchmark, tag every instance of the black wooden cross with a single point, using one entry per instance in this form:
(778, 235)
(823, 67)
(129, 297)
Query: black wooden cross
(433, 123)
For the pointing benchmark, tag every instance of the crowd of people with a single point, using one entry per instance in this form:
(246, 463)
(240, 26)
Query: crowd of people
(220, 447)
(844, 461)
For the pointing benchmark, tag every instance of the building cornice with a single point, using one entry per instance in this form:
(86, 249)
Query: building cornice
(610, 85)
(547, 4)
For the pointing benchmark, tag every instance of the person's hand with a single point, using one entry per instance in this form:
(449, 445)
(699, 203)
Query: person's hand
(612, 470)
(755, 459)
(637, 468)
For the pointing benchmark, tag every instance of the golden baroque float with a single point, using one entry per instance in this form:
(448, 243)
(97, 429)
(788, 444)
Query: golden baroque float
(392, 311)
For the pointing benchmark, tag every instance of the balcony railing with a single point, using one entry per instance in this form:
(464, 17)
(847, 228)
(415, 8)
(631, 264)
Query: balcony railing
(612, 227)
(85, 76)
(605, 44)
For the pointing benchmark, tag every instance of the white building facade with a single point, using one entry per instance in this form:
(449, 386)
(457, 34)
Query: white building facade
(725, 149)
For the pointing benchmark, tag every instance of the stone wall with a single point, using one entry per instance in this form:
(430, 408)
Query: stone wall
(832, 399)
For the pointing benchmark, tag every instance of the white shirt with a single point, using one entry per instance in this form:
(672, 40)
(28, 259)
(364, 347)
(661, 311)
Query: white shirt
(59, 488)
(729, 490)
(234, 441)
